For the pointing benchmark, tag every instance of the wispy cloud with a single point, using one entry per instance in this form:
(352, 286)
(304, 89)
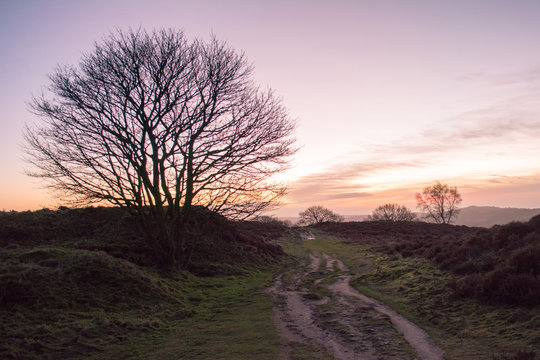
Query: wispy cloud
(452, 149)
(514, 118)
(342, 181)
(527, 76)
(350, 195)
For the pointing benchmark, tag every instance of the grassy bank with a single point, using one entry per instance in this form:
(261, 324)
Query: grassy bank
(231, 320)
(417, 288)
(135, 313)
(78, 284)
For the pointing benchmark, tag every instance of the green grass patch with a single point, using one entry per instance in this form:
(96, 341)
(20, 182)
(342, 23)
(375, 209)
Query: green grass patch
(352, 256)
(69, 303)
(83, 283)
(233, 320)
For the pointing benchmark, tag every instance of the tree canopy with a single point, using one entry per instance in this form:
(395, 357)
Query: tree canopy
(392, 212)
(154, 120)
(157, 123)
(318, 214)
(439, 202)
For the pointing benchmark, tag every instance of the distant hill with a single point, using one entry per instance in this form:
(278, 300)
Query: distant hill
(487, 216)
(482, 216)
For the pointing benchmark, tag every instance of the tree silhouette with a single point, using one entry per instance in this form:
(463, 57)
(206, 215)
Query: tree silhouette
(155, 123)
(439, 202)
(318, 214)
(392, 212)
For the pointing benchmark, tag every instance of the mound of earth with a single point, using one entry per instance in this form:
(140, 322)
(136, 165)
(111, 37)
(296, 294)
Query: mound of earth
(219, 244)
(76, 281)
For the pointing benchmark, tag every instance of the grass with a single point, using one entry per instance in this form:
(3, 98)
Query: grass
(232, 321)
(78, 284)
(500, 265)
(301, 351)
(101, 307)
(464, 328)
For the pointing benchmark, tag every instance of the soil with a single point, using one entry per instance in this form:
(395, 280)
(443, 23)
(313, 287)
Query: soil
(316, 307)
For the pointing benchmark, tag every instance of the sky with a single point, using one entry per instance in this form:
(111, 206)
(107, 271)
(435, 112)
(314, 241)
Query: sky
(389, 96)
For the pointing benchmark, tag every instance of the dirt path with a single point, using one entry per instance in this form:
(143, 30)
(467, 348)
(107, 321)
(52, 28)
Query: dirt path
(318, 309)
(415, 336)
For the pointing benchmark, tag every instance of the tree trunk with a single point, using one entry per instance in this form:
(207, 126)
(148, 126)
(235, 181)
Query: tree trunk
(188, 200)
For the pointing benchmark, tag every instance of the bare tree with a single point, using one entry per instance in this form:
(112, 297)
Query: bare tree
(158, 124)
(318, 214)
(439, 202)
(392, 212)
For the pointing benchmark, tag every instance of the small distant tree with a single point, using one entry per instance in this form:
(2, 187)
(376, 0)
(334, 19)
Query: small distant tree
(439, 202)
(392, 212)
(318, 214)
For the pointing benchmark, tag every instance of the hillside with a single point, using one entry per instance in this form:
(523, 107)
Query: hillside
(82, 281)
(498, 265)
(487, 216)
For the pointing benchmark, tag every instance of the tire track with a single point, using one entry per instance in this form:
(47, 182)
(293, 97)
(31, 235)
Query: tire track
(348, 324)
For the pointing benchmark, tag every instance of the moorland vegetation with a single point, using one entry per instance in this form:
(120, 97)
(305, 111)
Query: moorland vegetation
(75, 283)
(496, 265)
(81, 283)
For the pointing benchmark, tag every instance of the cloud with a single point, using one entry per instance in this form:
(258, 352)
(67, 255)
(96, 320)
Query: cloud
(515, 117)
(456, 150)
(505, 191)
(527, 76)
(341, 181)
(351, 195)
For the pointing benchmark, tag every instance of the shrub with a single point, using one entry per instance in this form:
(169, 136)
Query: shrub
(497, 265)
(527, 260)
(534, 222)
(392, 212)
(505, 286)
(61, 277)
(510, 235)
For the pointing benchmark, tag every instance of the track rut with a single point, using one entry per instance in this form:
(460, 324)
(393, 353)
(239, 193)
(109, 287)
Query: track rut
(318, 308)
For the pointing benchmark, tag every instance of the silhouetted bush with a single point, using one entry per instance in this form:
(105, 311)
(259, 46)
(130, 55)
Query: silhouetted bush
(524, 355)
(535, 223)
(520, 355)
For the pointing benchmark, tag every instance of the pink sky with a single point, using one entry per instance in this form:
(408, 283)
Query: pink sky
(389, 96)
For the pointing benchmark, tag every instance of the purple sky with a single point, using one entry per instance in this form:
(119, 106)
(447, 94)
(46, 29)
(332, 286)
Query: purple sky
(390, 96)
